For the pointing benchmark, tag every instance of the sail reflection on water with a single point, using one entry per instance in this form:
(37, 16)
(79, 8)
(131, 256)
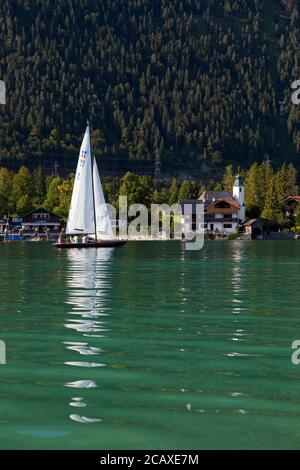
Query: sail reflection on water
(88, 282)
(238, 294)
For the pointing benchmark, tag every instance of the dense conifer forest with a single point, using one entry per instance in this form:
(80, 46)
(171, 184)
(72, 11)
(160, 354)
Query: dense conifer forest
(175, 84)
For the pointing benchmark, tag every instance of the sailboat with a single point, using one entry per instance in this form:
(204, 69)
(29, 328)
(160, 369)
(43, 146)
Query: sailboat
(88, 214)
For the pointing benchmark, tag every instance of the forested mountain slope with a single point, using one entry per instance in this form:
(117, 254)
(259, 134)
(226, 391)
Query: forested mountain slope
(177, 82)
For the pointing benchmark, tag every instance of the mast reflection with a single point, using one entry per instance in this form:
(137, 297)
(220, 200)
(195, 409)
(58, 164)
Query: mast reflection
(88, 283)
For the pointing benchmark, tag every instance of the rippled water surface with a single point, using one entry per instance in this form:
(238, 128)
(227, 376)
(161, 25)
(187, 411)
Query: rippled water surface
(150, 346)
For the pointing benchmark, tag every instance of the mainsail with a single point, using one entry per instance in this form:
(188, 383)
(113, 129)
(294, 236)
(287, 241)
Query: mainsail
(84, 204)
(103, 222)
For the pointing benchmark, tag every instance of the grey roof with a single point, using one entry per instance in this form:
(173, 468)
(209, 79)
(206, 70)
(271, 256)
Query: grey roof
(211, 196)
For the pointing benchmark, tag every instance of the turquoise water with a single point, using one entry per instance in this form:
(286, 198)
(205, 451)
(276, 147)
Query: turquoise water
(150, 346)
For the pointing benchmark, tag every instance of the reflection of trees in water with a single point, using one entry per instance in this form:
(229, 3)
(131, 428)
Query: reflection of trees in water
(88, 283)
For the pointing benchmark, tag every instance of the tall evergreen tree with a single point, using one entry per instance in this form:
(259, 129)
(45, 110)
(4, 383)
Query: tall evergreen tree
(228, 178)
(273, 212)
(39, 186)
(173, 198)
(5, 190)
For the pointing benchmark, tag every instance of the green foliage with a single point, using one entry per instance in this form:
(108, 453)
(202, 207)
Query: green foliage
(21, 197)
(5, 189)
(188, 190)
(111, 189)
(162, 196)
(58, 197)
(52, 200)
(228, 178)
(201, 189)
(65, 193)
(273, 212)
(265, 191)
(173, 193)
(297, 219)
(255, 191)
(39, 184)
(24, 204)
(177, 81)
(138, 189)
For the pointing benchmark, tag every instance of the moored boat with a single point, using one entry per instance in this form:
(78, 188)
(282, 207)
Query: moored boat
(12, 237)
(92, 244)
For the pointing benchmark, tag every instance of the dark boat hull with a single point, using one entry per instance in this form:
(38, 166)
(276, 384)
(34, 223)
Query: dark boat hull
(98, 244)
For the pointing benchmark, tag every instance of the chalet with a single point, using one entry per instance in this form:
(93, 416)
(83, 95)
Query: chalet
(223, 211)
(41, 221)
(291, 203)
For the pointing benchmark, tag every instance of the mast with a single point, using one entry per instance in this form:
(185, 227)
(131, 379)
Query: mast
(92, 169)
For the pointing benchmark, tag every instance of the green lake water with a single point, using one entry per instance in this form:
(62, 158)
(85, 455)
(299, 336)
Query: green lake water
(150, 346)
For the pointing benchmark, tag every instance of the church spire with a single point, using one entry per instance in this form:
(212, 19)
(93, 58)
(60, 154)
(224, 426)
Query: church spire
(238, 192)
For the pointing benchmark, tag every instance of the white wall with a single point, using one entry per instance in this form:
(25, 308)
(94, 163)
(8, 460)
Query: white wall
(239, 193)
(220, 227)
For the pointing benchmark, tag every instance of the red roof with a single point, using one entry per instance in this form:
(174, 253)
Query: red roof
(295, 198)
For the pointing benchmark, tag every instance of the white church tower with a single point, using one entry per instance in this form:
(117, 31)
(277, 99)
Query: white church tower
(238, 193)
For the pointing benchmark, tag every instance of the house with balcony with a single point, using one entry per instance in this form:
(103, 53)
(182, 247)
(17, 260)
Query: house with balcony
(222, 211)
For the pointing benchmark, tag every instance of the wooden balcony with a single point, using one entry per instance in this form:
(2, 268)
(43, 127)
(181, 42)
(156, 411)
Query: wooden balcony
(225, 210)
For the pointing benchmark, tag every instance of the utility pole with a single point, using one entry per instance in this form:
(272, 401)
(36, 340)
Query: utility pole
(56, 165)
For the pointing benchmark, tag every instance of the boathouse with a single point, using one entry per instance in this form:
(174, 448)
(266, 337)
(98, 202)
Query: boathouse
(253, 228)
(41, 221)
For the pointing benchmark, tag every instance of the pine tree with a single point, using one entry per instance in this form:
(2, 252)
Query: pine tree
(5, 190)
(39, 187)
(254, 191)
(185, 191)
(273, 212)
(228, 178)
(173, 192)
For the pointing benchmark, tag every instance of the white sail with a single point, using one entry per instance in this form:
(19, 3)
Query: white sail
(81, 215)
(103, 222)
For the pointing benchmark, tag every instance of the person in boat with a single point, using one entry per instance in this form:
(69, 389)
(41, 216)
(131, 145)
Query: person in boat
(60, 238)
(75, 239)
(85, 239)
